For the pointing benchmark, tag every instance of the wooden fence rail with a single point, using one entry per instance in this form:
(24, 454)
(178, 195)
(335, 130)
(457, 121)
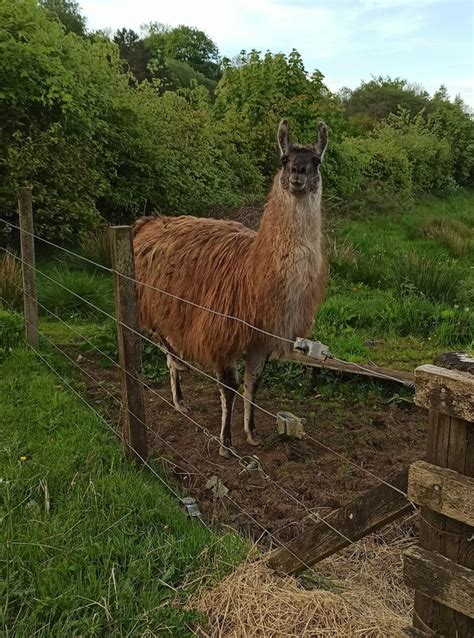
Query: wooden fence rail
(441, 569)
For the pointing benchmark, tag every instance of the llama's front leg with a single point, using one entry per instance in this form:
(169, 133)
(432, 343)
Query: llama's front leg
(229, 378)
(176, 384)
(255, 362)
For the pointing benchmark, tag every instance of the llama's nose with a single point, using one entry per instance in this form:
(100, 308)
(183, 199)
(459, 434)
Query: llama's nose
(296, 182)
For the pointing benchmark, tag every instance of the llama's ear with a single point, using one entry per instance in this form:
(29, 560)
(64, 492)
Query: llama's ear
(283, 139)
(322, 141)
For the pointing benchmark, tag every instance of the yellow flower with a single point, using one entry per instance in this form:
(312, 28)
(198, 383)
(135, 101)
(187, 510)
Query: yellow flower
(23, 458)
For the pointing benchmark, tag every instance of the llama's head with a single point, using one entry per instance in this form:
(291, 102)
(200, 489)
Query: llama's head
(300, 164)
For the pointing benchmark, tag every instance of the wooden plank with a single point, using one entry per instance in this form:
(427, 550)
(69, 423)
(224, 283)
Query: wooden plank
(27, 242)
(450, 443)
(365, 514)
(400, 376)
(444, 491)
(129, 343)
(446, 391)
(441, 579)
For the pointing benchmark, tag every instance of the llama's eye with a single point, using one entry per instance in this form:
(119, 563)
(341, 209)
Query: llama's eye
(316, 162)
(284, 160)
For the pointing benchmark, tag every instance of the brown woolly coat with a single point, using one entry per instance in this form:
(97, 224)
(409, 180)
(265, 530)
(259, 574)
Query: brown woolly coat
(273, 279)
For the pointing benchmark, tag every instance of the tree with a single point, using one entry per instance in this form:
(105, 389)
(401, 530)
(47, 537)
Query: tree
(185, 44)
(381, 96)
(68, 13)
(133, 50)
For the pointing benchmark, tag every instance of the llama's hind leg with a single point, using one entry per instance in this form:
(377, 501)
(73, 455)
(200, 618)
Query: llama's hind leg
(255, 362)
(175, 379)
(230, 380)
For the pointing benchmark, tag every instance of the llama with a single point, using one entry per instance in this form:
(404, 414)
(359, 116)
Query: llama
(273, 279)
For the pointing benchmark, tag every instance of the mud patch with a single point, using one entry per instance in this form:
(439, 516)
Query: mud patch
(306, 479)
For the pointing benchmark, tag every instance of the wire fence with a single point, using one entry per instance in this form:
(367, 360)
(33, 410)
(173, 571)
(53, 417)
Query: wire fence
(243, 461)
(276, 542)
(194, 304)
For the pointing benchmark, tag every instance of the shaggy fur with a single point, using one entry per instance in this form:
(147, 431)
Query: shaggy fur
(273, 279)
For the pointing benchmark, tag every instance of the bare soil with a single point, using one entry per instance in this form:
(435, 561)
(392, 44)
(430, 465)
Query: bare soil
(305, 477)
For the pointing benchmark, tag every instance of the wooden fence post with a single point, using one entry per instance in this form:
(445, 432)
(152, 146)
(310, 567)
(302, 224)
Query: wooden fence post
(27, 242)
(129, 343)
(441, 569)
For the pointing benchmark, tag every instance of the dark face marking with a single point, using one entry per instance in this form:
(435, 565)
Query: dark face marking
(300, 170)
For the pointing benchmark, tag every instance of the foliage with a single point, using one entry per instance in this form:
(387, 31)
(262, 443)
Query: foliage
(12, 330)
(81, 524)
(68, 13)
(11, 286)
(184, 44)
(108, 130)
(376, 99)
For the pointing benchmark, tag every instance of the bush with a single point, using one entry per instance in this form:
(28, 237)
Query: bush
(12, 331)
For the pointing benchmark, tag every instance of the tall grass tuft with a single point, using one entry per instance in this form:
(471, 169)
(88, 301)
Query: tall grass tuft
(453, 233)
(11, 287)
(433, 278)
(96, 247)
(90, 288)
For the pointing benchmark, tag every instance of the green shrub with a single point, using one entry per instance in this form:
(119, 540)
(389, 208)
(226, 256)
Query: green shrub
(12, 330)
(387, 174)
(84, 288)
(11, 293)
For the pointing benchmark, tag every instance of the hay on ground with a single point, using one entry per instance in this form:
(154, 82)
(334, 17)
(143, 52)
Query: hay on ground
(368, 599)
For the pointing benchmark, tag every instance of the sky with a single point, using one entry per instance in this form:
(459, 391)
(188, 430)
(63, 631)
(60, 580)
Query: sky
(428, 42)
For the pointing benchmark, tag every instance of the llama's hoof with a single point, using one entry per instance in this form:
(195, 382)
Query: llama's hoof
(227, 452)
(182, 407)
(253, 439)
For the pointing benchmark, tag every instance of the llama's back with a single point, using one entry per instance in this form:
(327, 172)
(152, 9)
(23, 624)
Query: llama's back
(205, 262)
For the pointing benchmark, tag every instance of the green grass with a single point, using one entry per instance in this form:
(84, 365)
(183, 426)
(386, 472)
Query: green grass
(90, 544)
(397, 293)
(84, 288)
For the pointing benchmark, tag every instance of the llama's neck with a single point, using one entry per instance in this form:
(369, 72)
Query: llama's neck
(290, 221)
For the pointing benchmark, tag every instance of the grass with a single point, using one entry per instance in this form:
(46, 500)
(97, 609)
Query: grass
(90, 544)
(399, 294)
(84, 288)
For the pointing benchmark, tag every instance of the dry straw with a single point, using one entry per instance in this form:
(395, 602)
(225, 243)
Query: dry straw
(368, 600)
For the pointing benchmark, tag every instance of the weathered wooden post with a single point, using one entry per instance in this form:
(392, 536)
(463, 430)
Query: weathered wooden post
(441, 568)
(129, 343)
(27, 242)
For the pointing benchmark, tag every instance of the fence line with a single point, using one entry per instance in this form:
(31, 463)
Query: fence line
(264, 410)
(187, 301)
(205, 430)
(277, 541)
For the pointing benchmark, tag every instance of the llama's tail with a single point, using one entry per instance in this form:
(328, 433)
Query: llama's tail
(140, 222)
